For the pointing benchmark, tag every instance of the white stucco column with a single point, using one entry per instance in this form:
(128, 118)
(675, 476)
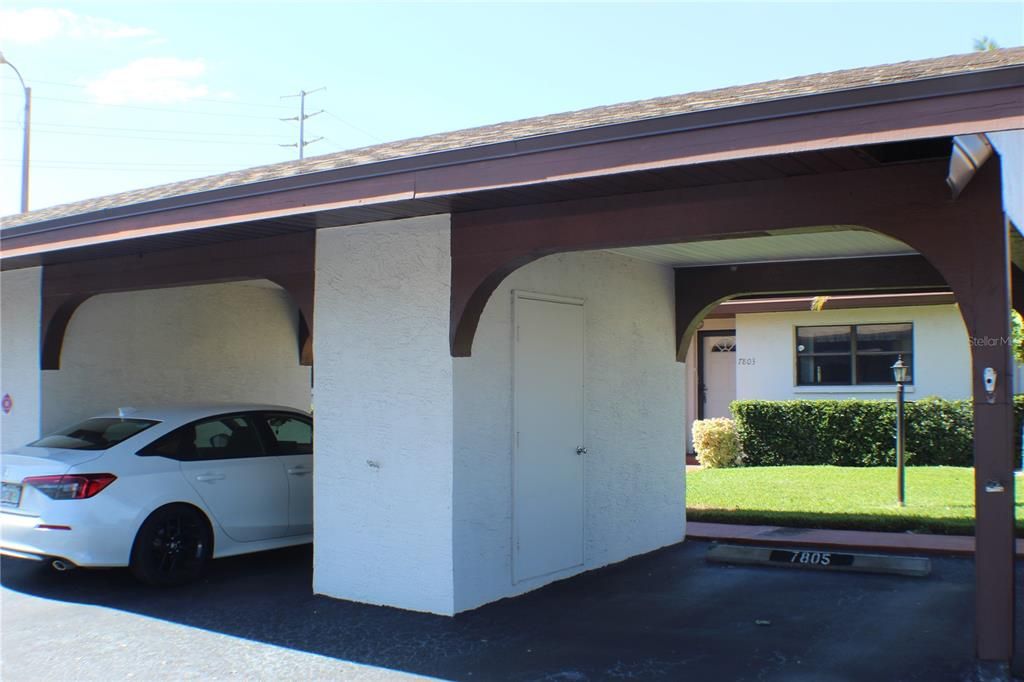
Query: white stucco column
(20, 305)
(383, 412)
(1010, 145)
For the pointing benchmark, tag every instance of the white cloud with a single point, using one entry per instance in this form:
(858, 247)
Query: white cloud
(153, 80)
(45, 23)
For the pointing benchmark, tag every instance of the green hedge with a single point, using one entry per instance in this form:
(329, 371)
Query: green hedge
(857, 432)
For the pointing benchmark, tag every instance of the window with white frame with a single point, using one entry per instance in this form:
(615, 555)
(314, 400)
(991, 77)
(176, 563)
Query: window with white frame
(850, 355)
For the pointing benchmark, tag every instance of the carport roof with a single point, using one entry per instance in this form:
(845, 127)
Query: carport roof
(602, 120)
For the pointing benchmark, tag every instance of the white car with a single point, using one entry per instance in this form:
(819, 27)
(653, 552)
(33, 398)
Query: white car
(162, 490)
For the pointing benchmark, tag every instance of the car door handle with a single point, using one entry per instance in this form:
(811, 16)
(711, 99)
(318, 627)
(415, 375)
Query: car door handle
(206, 478)
(299, 471)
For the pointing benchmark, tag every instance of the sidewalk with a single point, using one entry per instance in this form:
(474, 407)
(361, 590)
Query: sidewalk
(960, 545)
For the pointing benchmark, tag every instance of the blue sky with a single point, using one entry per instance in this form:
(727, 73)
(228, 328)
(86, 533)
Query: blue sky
(134, 94)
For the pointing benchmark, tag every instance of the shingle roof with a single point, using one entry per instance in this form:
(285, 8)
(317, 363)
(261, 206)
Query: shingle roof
(556, 123)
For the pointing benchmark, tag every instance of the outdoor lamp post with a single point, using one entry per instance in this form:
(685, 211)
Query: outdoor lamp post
(25, 140)
(899, 373)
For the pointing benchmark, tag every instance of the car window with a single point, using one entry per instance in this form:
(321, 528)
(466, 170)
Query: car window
(170, 446)
(227, 438)
(94, 434)
(223, 437)
(292, 434)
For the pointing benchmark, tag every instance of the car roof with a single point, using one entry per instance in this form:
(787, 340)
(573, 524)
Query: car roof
(190, 411)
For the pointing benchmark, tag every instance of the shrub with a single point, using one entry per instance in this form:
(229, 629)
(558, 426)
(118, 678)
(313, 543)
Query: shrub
(858, 432)
(716, 443)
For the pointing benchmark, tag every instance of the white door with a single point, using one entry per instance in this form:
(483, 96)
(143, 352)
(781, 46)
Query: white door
(291, 438)
(245, 488)
(549, 454)
(719, 373)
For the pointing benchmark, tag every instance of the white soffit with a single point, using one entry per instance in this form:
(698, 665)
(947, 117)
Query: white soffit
(833, 243)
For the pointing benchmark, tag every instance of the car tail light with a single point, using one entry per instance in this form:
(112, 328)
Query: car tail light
(70, 486)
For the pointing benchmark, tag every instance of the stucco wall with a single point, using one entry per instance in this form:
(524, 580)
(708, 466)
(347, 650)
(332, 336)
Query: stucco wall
(215, 342)
(941, 354)
(634, 406)
(1010, 145)
(383, 406)
(19, 355)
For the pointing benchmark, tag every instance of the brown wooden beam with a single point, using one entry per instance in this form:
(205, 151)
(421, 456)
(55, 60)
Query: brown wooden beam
(488, 245)
(983, 288)
(700, 290)
(287, 261)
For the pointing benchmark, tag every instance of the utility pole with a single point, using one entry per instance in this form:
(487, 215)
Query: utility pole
(301, 118)
(25, 137)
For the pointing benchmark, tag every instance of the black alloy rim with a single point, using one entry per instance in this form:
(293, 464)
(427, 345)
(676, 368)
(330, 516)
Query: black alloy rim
(177, 545)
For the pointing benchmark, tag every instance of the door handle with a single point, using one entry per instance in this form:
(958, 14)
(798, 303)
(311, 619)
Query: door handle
(206, 478)
(299, 471)
(581, 450)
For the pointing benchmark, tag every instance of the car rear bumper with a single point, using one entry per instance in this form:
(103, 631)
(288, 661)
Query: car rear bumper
(28, 537)
(21, 555)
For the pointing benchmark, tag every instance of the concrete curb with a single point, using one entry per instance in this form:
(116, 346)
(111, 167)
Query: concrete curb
(777, 536)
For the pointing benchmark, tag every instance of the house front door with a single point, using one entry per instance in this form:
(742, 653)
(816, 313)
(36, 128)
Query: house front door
(718, 373)
(549, 450)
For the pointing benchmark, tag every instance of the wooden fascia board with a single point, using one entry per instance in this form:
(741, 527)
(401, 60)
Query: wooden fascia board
(958, 114)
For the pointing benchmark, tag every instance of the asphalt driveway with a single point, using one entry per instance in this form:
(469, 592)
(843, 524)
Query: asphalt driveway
(667, 615)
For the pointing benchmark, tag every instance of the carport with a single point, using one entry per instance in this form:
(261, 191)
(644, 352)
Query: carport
(431, 256)
(169, 326)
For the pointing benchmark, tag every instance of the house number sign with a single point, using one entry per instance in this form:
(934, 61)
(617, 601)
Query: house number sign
(820, 560)
(816, 559)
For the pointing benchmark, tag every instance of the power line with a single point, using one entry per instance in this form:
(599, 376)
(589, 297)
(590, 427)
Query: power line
(154, 167)
(160, 109)
(185, 173)
(354, 127)
(116, 133)
(121, 163)
(247, 143)
(212, 100)
(16, 124)
(349, 124)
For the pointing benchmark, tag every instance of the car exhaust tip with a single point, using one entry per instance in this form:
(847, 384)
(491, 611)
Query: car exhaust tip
(61, 565)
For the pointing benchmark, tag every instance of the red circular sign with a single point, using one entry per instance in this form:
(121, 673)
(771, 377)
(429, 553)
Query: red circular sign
(7, 403)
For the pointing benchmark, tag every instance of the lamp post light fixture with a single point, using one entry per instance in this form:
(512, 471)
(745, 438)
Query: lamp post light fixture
(25, 139)
(899, 373)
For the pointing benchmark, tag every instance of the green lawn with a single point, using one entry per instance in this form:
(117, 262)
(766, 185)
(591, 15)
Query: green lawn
(939, 499)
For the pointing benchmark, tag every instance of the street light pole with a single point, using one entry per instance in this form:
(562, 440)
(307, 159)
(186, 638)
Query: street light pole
(899, 372)
(25, 139)
(900, 443)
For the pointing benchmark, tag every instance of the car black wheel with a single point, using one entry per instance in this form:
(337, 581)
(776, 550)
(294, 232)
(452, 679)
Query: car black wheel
(172, 547)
